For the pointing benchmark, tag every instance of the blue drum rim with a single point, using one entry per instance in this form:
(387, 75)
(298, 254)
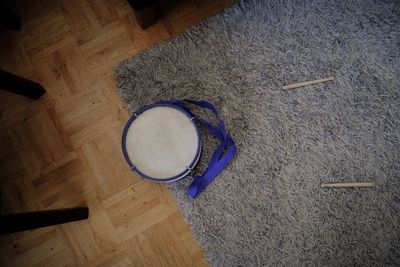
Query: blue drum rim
(132, 119)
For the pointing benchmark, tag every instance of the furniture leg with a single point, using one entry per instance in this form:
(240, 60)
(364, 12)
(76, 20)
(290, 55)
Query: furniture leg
(21, 86)
(16, 222)
(145, 12)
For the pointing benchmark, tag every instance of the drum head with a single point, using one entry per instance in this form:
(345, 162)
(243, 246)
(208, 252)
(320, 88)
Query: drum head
(162, 143)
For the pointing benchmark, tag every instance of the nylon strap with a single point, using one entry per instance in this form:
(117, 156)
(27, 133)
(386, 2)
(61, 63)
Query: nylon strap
(223, 154)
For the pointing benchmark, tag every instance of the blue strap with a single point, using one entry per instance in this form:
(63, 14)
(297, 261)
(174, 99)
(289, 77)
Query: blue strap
(201, 182)
(219, 159)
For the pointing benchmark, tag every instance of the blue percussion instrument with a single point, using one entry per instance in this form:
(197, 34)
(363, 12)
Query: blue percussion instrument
(162, 142)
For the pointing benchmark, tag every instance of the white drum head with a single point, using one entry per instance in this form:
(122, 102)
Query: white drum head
(162, 143)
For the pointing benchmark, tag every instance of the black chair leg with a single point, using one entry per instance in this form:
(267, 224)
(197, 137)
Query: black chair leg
(9, 19)
(16, 222)
(20, 86)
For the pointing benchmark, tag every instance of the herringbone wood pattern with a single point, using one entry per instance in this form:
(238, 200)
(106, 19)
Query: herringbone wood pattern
(64, 149)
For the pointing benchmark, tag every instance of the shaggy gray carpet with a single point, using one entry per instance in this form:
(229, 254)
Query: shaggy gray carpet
(267, 208)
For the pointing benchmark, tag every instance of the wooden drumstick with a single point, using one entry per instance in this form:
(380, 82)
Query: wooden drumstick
(352, 184)
(306, 83)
